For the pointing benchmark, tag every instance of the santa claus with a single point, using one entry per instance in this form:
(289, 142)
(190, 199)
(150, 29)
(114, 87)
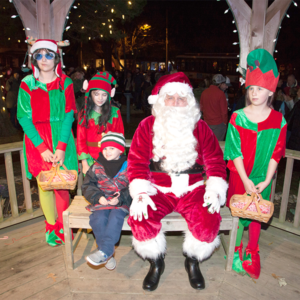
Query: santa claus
(168, 154)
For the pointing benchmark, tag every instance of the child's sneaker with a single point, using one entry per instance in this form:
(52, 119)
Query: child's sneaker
(97, 258)
(111, 264)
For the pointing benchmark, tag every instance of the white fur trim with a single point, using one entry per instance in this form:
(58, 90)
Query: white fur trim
(152, 248)
(42, 45)
(219, 186)
(152, 99)
(138, 186)
(200, 250)
(180, 185)
(174, 87)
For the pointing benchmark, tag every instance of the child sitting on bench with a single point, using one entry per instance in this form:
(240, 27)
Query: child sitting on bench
(105, 186)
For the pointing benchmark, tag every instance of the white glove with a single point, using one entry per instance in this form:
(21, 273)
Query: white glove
(212, 198)
(138, 207)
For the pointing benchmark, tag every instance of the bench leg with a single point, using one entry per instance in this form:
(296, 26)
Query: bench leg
(68, 241)
(232, 241)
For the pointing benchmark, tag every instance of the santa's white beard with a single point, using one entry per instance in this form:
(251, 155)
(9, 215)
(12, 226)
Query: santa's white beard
(173, 142)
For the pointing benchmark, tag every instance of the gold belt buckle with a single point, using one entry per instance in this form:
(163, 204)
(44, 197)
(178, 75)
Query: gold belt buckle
(99, 144)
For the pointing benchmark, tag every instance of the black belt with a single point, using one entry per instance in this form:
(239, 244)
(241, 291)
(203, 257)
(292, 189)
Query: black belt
(155, 166)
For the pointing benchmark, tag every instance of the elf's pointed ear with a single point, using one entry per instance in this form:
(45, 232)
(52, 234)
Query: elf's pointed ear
(85, 85)
(112, 93)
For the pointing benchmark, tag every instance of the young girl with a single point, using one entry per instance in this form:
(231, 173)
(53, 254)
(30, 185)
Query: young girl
(46, 106)
(255, 142)
(98, 116)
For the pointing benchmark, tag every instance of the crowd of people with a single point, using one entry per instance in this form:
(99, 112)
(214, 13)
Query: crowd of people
(170, 152)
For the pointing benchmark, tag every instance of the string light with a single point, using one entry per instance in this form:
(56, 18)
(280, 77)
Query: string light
(82, 27)
(234, 30)
(96, 11)
(109, 26)
(110, 31)
(129, 2)
(288, 16)
(27, 28)
(67, 28)
(226, 11)
(233, 22)
(274, 40)
(14, 16)
(276, 51)
(238, 55)
(123, 17)
(112, 10)
(235, 43)
(295, 3)
(75, 6)
(67, 17)
(79, 16)
(89, 37)
(3, 108)
(103, 24)
(9, 39)
(101, 35)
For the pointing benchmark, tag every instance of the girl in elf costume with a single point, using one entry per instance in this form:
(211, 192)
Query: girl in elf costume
(255, 143)
(46, 106)
(97, 117)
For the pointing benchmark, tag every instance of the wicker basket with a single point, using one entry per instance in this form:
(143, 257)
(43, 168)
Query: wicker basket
(244, 213)
(47, 184)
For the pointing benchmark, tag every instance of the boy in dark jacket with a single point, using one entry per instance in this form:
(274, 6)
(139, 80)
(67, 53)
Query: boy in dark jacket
(105, 186)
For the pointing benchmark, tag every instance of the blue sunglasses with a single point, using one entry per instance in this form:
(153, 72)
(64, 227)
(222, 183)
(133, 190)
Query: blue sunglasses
(48, 55)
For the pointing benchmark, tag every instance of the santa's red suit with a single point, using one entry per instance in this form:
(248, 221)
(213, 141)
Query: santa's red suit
(182, 193)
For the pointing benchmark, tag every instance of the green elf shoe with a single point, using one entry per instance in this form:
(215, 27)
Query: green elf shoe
(51, 237)
(237, 264)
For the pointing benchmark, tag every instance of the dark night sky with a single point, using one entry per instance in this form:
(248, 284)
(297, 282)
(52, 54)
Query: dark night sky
(201, 26)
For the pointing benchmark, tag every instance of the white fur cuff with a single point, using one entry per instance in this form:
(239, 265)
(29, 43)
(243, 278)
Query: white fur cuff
(138, 186)
(150, 249)
(219, 186)
(200, 250)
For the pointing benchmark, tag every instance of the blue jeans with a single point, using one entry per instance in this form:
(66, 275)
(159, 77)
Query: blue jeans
(107, 226)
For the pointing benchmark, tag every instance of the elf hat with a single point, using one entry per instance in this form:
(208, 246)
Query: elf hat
(262, 70)
(177, 82)
(101, 81)
(45, 44)
(113, 139)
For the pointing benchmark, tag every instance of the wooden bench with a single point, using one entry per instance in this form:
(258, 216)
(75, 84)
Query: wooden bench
(76, 216)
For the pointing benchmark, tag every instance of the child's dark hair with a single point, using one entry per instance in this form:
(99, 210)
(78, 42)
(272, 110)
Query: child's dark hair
(105, 111)
(269, 102)
(56, 62)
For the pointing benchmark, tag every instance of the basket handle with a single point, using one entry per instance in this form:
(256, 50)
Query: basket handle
(52, 176)
(254, 199)
(249, 201)
(59, 174)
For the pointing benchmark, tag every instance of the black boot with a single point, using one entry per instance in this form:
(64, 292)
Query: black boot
(157, 267)
(195, 276)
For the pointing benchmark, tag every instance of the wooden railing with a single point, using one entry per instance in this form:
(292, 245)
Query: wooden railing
(17, 217)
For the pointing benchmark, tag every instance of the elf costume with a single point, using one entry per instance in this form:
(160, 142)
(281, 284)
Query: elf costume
(256, 144)
(45, 111)
(89, 135)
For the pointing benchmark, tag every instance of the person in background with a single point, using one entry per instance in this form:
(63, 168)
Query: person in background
(12, 88)
(213, 105)
(138, 80)
(290, 83)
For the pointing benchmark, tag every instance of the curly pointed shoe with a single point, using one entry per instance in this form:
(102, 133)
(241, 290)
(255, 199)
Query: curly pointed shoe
(195, 276)
(251, 263)
(237, 263)
(157, 267)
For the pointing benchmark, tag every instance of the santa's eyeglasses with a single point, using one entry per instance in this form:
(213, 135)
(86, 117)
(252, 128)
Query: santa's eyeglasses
(48, 55)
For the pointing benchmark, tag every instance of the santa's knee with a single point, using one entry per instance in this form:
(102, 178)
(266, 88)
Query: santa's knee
(199, 247)
(150, 248)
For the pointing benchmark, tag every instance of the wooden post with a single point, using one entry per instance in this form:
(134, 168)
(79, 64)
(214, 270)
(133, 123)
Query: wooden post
(286, 189)
(43, 18)
(274, 187)
(11, 184)
(26, 185)
(297, 210)
(1, 209)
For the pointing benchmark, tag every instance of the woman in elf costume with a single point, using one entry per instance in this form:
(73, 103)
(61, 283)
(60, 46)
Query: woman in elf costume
(255, 143)
(46, 106)
(97, 117)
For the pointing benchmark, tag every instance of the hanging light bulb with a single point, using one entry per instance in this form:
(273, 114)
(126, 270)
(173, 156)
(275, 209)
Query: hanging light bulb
(68, 27)
(235, 43)
(288, 16)
(226, 11)
(234, 30)
(233, 22)
(295, 3)
(14, 16)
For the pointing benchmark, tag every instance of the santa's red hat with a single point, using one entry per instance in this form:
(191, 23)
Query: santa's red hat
(45, 44)
(173, 83)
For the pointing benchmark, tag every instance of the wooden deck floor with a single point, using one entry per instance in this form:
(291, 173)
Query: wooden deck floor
(30, 269)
